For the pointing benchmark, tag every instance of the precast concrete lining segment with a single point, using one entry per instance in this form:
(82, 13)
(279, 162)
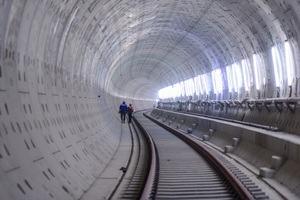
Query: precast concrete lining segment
(78, 178)
(172, 62)
(56, 57)
(149, 74)
(143, 25)
(263, 21)
(135, 69)
(178, 41)
(226, 56)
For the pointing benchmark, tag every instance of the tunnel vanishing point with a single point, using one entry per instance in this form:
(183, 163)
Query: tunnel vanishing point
(65, 66)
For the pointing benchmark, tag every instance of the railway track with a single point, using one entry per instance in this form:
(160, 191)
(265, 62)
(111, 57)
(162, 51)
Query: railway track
(180, 168)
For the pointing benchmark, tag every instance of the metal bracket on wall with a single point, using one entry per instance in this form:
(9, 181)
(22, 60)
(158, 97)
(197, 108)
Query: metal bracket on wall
(250, 105)
(258, 105)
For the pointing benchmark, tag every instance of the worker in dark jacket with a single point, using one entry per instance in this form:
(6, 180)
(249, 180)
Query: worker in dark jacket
(130, 110)
(122, 111)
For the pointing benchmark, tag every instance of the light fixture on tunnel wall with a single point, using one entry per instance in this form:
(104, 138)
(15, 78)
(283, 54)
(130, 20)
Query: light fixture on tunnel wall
(246, 74)
(165, 92)
(182, 89)
(198, 86)
(205, 81)
(237, 76)
(217, 81)
(257, 71)
(289, 61)
(229, 78)
(190, 87)
(277, 65)
(177, 91)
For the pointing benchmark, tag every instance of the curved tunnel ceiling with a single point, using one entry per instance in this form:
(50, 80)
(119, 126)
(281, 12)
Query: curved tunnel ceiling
(113, 44)
(163, 42)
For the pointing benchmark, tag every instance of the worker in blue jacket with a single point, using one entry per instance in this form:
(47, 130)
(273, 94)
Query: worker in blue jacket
(122, 111)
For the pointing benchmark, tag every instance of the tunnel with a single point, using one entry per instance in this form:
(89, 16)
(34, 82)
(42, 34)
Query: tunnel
(66, 66)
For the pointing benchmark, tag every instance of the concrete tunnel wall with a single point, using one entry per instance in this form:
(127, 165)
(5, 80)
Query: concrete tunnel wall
(58, 57)
(56, 134)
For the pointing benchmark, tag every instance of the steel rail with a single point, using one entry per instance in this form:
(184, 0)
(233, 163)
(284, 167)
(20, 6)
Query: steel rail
(150, 187)
(211, 158)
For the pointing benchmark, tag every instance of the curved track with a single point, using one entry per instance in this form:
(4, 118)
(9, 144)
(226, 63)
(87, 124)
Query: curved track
(179, 169)
(183, 173)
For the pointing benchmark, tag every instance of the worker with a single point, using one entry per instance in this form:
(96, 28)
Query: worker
(130, 110)
(122, 111)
